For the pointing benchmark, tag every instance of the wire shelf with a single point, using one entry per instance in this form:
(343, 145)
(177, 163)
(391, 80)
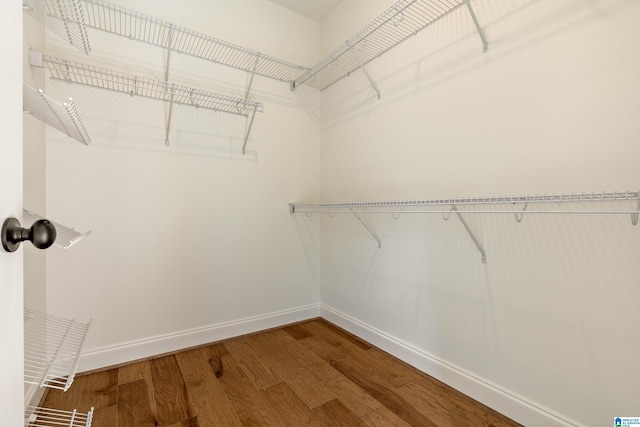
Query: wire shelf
(89, 75)
(137, 26)
(427, 205)
(64, 17)
(404, 19)
(45, 417)
(51, 349)
(63, 117)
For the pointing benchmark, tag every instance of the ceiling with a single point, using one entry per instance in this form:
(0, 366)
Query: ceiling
(314, 9)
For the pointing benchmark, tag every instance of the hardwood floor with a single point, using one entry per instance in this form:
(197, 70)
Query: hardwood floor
(308, 374)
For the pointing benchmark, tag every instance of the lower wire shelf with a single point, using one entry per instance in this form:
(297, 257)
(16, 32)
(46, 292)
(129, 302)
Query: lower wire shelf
(45, 417)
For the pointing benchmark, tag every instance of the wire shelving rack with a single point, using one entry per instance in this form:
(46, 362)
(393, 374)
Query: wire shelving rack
(64, 17)
(51, 349)
(89, 75)
(62, 116)
(45, 417)
(548, 204)
(401, 21)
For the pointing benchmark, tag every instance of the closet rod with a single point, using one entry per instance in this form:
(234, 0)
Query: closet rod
(64, 18)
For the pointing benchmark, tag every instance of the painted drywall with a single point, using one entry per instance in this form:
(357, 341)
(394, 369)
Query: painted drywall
(549, 320)
(191, 235)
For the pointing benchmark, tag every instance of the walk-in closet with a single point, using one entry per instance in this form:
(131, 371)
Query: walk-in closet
(367, 212)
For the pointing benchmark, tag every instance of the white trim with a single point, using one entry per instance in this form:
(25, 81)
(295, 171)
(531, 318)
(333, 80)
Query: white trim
(99, 358)
(502, 400)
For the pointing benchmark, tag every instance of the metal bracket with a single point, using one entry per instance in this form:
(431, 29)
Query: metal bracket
(168, 126)
(520, 215)
(166, 68)
(483, 255)
(634, 216)
(246, 136)
(363, 69)
(364, 224)
(246, 98)
(485, 44)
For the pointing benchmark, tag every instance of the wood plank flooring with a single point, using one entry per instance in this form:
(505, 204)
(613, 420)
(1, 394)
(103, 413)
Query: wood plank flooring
(308, 374)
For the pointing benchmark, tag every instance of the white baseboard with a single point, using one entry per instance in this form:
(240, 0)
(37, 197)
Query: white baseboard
(502, 400)
(99, 358)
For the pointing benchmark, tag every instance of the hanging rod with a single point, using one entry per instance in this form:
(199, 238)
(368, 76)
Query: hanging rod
(64, 18)
(63, 117)
(45, 417)
(52, 348)
(402, 20)
(137, 26)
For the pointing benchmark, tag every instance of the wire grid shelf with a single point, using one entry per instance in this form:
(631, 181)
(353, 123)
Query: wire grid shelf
(102, 78)
(137, 26)
(404, 19)
(51, 349)
(424, 205)
(64, 17)
(45, 417)
(63, 117)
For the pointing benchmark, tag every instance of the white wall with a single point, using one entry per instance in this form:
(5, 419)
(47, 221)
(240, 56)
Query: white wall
(546, 330)
(192, 241)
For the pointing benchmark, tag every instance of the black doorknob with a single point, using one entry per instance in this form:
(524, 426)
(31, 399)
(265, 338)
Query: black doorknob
(42, 234)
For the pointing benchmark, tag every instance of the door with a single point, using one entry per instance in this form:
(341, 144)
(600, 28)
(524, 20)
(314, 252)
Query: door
(11, 285)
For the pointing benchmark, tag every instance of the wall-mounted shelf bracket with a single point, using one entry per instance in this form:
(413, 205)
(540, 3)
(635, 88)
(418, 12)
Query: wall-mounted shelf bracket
(361, 65)
(367, 227)
(485, 43)
(168, 125)
(483, 255)
(634, 216)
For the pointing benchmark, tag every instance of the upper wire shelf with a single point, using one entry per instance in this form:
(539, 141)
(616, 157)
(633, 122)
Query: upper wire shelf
(63, 117)
(137, 26)
(51, 349)
(90, 75)
(402, 20)
(45, 417)
(64, 17)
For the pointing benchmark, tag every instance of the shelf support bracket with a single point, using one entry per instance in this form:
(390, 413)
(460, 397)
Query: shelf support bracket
(253, 73)
(246, 135)
(363, 69)
(364, 224)
(485, 44)
(246, 98)
(168, 127)
(166, 68)
(634, 216)
(483, 255)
